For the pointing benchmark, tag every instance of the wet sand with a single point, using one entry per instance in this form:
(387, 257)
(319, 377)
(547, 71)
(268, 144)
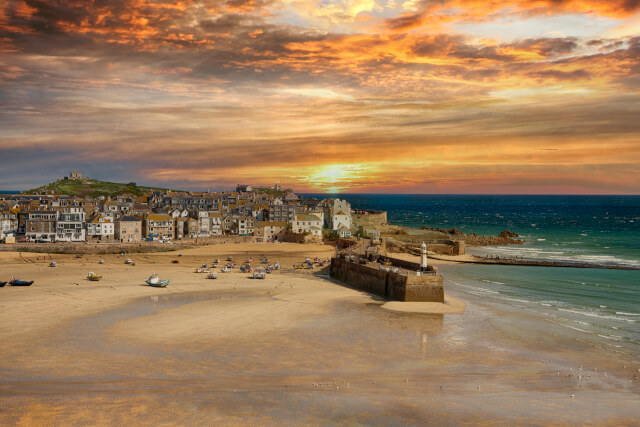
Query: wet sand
(295, 348)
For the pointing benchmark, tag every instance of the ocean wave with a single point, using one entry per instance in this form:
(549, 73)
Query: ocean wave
(491, 281)
(599, 316)
(627, 314)
(610, 337)
(515, 299)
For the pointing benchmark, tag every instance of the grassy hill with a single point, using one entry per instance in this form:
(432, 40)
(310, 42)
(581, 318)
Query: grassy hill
(90, 187)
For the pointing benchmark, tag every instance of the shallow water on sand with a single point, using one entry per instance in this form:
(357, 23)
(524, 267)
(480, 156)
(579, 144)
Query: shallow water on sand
(353, 363)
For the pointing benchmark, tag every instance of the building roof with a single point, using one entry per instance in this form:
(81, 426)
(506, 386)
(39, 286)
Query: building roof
(96, 220)
(307, 217)
(129, 218)
(159, 217)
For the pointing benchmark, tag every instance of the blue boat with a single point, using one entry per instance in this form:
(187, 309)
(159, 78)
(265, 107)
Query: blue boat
(16, 282)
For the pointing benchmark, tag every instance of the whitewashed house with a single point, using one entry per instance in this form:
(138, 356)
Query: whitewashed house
(100, 228)
(70, 225)
(307, 223)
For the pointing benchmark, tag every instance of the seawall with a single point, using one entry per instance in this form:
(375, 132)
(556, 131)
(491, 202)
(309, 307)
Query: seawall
(388, 284)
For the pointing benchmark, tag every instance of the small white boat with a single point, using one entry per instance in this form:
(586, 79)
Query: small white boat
(276, 266)
(101, 261)
(259, 274)
(155, 281)
(53, 264)
(128, 261)
(212, 275)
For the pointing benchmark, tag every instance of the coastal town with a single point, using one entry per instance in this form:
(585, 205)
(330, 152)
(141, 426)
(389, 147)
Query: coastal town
(266, 214)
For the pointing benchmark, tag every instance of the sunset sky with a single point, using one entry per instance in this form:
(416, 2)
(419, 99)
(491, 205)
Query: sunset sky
(416, 96)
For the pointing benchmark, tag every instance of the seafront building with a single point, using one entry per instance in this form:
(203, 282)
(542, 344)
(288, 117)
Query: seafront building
(266, 213)
(128, 229)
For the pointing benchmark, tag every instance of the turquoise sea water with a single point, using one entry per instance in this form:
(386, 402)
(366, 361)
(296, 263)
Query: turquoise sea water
(597, 305)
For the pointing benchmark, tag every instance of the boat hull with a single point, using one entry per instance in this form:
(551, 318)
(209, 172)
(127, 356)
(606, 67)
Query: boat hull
(160, 284)
(21, 283)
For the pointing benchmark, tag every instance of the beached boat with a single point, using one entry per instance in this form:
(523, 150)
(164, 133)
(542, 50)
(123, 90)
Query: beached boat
(93, 276)
(226, 269)
(2, 284)
(259, 274)
(53, 264)
(212, 275)
(128, 261)
(155, 281)
(175, 261)
(101, 261)
(246, 268)
(79, 255)
(229, 258)
(16, 282)
(276, 266)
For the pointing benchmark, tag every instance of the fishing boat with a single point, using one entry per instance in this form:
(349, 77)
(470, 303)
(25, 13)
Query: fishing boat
(246, 268)
(155, 281)
(226, 269)
(53, 264)
(16, 282)
(259, 274)
(212, 275)
(94, 277)
(2, 284)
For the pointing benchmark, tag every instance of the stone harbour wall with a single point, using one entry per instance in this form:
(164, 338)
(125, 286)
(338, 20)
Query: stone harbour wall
(387, 284)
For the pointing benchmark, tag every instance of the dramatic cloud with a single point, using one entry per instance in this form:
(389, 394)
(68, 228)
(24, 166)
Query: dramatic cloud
(356, 95)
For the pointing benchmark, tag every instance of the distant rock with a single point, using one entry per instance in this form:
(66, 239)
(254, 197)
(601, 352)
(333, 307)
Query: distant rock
(507, 233)
(456, 232)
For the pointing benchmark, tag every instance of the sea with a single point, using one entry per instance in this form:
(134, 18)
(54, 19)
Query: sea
(599, 306)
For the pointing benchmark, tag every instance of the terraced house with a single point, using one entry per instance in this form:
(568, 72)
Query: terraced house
(158, 226)
(100, 228)
(70, 225)
(128, 229)
(40, 226)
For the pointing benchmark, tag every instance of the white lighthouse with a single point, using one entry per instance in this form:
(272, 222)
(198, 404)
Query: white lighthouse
(423, 257)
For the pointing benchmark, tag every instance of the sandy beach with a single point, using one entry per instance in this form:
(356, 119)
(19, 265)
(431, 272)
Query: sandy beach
(295, 348)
